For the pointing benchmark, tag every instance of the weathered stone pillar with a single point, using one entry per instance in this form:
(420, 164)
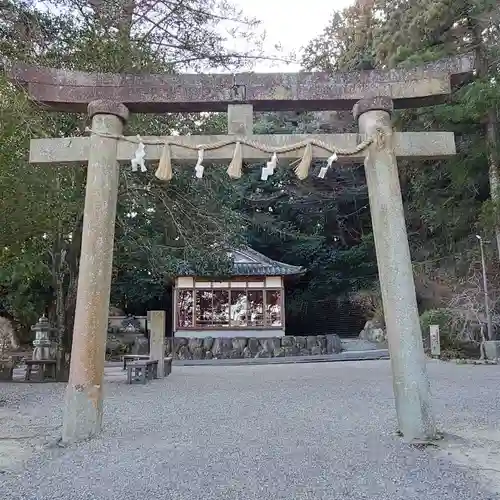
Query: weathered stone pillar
(156, 322)
(84, 396)
(411, 384)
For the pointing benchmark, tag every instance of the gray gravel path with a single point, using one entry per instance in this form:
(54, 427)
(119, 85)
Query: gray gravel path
(311, 431)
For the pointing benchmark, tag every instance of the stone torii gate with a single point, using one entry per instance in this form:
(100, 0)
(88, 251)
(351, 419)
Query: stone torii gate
(372, 95)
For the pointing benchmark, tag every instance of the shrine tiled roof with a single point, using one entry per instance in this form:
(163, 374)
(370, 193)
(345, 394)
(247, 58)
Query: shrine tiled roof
(249, 262)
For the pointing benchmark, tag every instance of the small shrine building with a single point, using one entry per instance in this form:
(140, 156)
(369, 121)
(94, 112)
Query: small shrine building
(250, 303)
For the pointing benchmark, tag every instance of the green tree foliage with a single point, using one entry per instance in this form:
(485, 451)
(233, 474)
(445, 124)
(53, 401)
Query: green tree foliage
(322, 225)
(158, 229)
(346, 43)
(446, 202)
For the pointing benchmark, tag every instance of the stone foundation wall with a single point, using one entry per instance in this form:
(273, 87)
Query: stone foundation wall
(243, 347)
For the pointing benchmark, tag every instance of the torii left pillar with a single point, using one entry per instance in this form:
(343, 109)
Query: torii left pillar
(84, 393)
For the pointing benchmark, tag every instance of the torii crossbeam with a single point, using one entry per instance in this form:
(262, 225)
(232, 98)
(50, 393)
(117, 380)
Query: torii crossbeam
(407, 145)
(372, 94)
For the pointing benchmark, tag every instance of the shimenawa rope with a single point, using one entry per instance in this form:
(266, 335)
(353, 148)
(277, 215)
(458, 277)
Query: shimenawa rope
(165, 173)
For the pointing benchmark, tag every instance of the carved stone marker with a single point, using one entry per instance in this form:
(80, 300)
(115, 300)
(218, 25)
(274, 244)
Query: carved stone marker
(435, 341)
(374, 95)
(156, 323)
(492, 350)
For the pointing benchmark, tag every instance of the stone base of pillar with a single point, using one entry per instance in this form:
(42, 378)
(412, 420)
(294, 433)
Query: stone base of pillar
(83, 414)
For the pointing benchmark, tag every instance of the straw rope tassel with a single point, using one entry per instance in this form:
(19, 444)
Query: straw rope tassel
(164, 171)
(302, 169)
(235, 167)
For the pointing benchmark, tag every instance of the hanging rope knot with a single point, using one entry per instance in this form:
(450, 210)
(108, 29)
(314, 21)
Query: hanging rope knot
(164, 171)
(302, 169)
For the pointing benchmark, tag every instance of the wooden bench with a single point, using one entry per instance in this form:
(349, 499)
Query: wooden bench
(139, 357)
(133, 357)
(44, 366)
(142, 371)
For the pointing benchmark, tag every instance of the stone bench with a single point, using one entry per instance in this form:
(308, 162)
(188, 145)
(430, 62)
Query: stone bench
(45, 366)
(142, 371)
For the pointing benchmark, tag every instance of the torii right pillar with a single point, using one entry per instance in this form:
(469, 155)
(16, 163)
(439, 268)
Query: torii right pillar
(410, 380)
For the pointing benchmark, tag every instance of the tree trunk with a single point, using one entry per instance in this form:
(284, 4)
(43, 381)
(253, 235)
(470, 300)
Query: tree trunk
(70, 304)
(117, 16)
(72, 264)
(482, 66)
(492, 137)
(61, 320)
(58, 255)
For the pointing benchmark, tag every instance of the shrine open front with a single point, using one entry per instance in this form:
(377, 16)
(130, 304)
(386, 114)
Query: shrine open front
(248, 303)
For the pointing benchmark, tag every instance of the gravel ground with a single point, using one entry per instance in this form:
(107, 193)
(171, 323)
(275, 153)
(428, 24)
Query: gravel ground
(311, 431)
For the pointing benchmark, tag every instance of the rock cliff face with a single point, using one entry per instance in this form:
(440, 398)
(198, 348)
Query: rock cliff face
(243, 347)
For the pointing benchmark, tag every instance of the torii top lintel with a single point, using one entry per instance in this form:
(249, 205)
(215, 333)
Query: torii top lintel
(71, 91)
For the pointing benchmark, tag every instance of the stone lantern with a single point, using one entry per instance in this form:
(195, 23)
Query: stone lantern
(44, 347)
